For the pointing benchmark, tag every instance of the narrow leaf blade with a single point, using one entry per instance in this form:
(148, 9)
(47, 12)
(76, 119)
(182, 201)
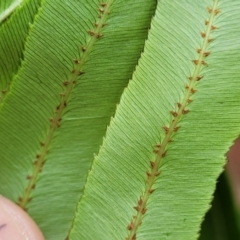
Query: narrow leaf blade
(173, 73)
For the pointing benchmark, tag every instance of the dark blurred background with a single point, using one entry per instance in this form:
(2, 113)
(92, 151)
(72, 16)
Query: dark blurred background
(233, 171)
(222, 222)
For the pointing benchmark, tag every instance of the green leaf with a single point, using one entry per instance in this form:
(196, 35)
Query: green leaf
(7, 7)
(13, 34)
(44, 165)
(63, 68)
(181, 112)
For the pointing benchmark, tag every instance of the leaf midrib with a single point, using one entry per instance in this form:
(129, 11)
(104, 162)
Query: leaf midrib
(9, 10)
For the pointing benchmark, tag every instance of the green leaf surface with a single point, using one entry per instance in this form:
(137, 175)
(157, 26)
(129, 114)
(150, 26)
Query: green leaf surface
(13, 34)
(7, 7)
(54, 116)
(181, 112)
